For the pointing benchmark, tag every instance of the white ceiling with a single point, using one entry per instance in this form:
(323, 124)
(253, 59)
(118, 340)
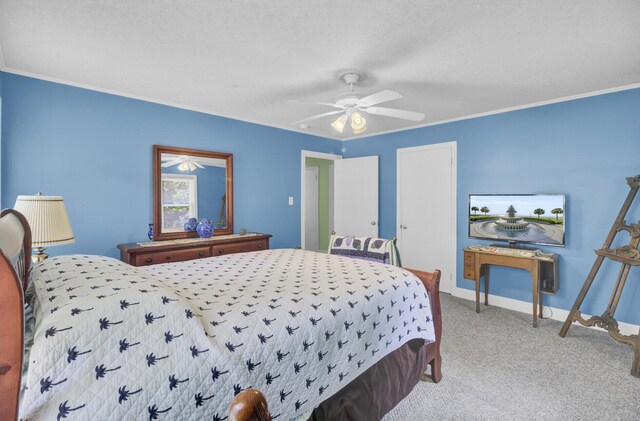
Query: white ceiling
(245, 59)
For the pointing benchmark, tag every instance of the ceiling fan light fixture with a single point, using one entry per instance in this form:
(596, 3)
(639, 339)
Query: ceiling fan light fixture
(358, 131)
(184, 166)
(340, 122)
(358, 123)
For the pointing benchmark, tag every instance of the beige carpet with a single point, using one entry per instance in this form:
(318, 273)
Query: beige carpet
(497, 367)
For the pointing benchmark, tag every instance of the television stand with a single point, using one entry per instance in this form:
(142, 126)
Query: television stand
(542, 266)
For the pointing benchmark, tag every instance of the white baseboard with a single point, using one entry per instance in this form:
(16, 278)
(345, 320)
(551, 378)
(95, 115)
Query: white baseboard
(525, 307)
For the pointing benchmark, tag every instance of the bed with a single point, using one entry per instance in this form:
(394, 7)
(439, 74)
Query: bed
(315, 333)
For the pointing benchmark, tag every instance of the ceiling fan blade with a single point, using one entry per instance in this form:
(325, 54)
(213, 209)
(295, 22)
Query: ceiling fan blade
(378, 98)
(328, 104)
(172, 162)
(197, 164)
(392, 112)
(318, 116)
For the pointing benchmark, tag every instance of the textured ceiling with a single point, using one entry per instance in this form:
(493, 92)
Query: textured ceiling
(247, 59)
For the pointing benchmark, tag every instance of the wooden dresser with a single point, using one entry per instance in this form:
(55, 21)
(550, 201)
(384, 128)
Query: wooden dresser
(153, 253)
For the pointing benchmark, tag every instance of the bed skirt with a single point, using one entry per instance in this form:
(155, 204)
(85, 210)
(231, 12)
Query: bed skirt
(375, 392)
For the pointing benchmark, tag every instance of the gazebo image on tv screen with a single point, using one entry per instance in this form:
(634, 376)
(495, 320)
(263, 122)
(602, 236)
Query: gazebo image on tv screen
(536, 218)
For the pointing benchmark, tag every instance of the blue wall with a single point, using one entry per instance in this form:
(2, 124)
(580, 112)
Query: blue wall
(584, 148)
(95, 150)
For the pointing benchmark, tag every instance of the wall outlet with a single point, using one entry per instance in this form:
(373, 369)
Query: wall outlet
(290, 200)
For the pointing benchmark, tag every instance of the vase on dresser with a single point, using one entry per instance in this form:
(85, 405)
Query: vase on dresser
(204, 228)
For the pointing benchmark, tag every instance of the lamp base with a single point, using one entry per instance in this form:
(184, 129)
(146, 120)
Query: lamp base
(39, 255)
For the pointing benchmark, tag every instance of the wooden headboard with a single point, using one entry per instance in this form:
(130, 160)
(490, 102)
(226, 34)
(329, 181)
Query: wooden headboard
(15, 262)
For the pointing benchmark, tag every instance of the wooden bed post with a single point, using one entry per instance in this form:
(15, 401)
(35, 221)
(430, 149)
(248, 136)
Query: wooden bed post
(12, 285)
(431, 281)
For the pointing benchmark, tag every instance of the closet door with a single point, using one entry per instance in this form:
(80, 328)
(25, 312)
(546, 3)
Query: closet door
(426, 209)
(356, 196)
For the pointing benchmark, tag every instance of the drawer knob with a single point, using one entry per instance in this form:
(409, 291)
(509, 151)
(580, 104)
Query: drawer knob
(221, 251)
(201, 254)
(260, 245)
(148, 260)
(168, 257)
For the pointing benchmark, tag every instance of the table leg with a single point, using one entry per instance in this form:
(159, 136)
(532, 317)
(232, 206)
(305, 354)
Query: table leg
(534, 279)
(477, 293)
(486, 285)
(540, 302)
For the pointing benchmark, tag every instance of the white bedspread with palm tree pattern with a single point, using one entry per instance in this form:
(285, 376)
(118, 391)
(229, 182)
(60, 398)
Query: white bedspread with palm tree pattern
(179, 340)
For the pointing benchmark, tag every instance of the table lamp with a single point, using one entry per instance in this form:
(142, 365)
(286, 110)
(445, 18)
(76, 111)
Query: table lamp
(48, 220)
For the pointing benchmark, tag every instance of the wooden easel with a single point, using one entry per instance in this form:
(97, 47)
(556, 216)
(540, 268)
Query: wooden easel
(628, 255)
(222, 219)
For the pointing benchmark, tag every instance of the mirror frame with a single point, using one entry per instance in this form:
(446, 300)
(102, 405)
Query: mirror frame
(158, 150)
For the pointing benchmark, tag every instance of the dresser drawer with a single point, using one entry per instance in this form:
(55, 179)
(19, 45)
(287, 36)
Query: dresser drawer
(238, 247)
(145, 259)
(469, 265)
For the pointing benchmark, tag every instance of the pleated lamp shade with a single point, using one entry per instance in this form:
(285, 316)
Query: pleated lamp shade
(47, 218)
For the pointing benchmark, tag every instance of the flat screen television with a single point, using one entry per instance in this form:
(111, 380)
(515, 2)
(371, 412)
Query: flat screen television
(518, 218)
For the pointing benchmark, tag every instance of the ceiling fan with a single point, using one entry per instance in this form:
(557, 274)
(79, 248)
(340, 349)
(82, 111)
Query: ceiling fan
(184, 163)
(350, 106)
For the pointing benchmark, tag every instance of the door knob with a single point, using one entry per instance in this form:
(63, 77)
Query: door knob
(373, 222)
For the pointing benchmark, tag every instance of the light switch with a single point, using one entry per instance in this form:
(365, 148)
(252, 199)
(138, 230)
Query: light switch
(290, 200)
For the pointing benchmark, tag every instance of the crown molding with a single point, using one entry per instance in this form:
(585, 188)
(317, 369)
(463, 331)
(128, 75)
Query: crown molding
(148, 99)
(293, 129)
(506, 110)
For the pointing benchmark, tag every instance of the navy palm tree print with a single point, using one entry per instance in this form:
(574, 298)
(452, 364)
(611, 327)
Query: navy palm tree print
(64, 409)
(124, 393)
(105, 323)
(195, 351)
(200, 400)
(101, 370)
(168, 336)
(149, 318)
(46, 384)
(215, 374)
(124, 345)
(52, 331)
(125, 304)
(152, 359)
(154, 411)
(76, 311)
(73, 353)
(173, 381)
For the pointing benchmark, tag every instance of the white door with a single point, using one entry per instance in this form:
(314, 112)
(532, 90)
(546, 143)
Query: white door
(356, 196)
(311, 209)
(426, 209)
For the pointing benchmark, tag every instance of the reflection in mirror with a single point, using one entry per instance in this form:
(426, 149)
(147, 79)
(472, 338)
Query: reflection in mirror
(192, 187)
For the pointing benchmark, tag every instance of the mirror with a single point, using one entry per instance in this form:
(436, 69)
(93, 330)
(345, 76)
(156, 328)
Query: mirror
(188, 186)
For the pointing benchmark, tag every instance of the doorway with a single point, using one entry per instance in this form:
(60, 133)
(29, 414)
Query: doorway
(426, 204)
(316, 201)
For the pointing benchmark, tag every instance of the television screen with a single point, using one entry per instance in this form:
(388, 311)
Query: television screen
(522, 218)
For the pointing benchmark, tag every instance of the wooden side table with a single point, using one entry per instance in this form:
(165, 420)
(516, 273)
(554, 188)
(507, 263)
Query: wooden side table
(542, 266)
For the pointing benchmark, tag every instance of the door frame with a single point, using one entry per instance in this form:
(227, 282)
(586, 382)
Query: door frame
(303, 155)
(315, 172)
(453, 146)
